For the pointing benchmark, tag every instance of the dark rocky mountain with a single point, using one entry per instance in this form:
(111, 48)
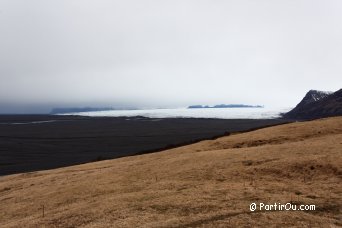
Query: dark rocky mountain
(317, 104)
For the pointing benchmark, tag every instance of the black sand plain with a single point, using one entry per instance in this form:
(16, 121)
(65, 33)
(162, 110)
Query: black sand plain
(27, 145)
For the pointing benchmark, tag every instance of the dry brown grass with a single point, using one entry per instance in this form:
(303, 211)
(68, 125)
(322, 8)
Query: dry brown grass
(210, 183)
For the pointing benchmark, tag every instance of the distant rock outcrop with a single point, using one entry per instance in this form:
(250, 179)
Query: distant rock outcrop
(226, 106)
(317, 104)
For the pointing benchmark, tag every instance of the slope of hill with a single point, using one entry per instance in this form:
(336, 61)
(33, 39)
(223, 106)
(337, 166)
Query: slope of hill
(209, 184)
(317, 104)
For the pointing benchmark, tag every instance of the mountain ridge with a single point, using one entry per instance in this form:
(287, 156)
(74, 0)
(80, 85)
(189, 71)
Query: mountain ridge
(317, 104)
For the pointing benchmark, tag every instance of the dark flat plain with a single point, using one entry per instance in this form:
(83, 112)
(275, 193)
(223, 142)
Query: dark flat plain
(71, 140)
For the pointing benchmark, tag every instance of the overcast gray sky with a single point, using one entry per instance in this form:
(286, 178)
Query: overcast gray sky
(168, 53)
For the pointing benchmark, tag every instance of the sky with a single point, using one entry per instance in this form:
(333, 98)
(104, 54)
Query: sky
(170, 53)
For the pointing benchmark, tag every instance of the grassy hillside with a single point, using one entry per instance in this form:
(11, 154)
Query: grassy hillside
(211, 183)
